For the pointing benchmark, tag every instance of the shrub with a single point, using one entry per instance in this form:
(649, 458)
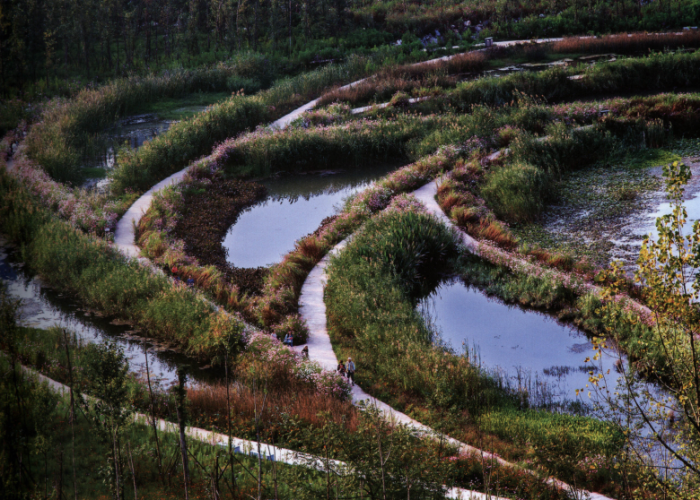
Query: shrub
(517, 192)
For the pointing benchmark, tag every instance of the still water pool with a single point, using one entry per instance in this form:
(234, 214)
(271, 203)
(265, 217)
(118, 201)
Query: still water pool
(295, 206)
(528, 349)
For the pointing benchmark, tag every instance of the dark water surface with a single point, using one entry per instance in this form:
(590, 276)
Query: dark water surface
(530, 349)
(44, 307)
(134, 130)
(295, 206)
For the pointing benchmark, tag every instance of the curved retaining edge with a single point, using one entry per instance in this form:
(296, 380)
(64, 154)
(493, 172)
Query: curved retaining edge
(124, 234)
(313, 309)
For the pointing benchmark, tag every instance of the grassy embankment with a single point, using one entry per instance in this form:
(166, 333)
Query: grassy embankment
(262, 153)
(105, 280)
(291, 417)
(443, 79)
(372, 289)
(517, 186)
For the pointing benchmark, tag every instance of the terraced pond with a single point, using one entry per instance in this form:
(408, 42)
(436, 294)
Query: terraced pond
(135, 130)
(294, 207)
(528, 350)
(604, 212)
(43, 307)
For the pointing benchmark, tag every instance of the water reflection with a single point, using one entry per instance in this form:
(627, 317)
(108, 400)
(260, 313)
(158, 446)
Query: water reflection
(295, 206)
(44, 307)
(529, 350)
(134, 131)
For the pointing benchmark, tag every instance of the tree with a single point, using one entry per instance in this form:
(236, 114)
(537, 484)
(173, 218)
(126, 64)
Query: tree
(668, 268)
(108, 406)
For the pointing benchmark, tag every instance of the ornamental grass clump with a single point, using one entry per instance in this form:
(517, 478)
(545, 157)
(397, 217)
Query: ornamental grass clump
(372, 288)
(516, 192)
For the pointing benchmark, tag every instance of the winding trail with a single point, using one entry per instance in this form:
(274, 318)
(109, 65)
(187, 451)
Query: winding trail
(124, 234)
(312, 306)
(313, 309)
(253, 448)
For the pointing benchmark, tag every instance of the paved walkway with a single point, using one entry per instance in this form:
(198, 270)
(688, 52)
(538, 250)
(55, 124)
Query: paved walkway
(313, 309)
(253, 448)
(124, 234)
(125, 231)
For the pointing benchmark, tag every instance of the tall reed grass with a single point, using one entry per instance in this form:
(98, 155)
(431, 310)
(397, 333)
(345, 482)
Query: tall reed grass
(628, 43)
(415, 78)
(655, 72)
(103, 279)
(63, 137)
(372, 288)
(189, 139)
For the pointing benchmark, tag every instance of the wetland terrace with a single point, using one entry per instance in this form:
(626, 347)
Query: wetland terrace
(210, 213)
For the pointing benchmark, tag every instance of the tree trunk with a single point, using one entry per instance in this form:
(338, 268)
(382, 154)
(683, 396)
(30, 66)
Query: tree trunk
(181, 423)
(71, 415)
(152, 412)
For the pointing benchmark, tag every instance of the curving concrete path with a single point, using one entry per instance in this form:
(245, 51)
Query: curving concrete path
(124, 234)
(125, 231)
(253, 448)
(313, 309)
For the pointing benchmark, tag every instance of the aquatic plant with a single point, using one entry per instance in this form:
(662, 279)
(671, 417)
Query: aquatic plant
(104, 279)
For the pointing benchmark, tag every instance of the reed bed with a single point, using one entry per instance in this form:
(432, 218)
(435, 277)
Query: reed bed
(103, 279)
(61, 139)
(655, 72)
(189, 139)
(416, 79)
(370, 299)
(307, 407)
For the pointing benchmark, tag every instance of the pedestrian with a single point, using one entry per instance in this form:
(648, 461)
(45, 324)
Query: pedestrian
(351, 371)
(305, 352)
(289, 339)
(341, 369)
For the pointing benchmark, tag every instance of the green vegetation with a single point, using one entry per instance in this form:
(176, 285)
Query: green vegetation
(106, 280)
(372, 288)
(42, 54)
(655, 72)
(187, 140)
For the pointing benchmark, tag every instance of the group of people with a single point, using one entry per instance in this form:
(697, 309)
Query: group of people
(347, 370)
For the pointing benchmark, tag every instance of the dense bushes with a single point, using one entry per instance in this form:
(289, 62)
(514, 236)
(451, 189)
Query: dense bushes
(102, 278)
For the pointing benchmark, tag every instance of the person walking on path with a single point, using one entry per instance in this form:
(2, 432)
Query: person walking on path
(351, 371)
(289, 339)
(341, 369)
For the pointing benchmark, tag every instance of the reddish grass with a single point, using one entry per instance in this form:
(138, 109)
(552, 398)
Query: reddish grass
(408, 78)
(307, 405)
(628, 43)
(496, 232)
